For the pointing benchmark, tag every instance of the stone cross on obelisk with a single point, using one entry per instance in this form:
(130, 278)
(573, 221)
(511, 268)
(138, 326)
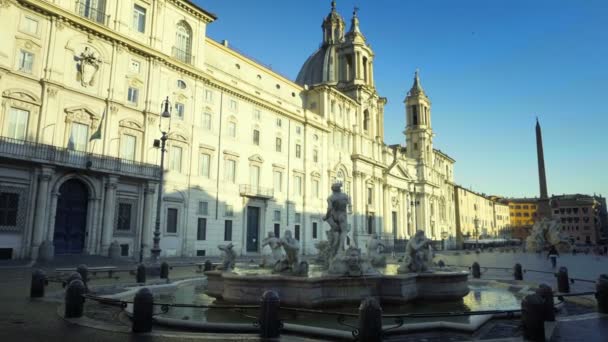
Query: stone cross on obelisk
(544, 210)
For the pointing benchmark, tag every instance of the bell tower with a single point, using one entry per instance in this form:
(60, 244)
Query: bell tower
(333, 27)
(418, 130)
(356, 58)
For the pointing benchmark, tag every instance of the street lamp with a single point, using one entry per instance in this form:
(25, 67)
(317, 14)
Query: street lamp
(476, 221)
(164, 125)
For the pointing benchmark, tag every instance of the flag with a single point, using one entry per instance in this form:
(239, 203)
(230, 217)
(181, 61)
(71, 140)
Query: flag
(97, 134)
(71, 143)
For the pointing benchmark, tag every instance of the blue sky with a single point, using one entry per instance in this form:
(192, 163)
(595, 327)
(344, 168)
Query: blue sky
(489, 68)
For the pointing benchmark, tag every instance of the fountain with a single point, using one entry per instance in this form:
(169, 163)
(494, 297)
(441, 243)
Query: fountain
(346, 275)
(546, 233)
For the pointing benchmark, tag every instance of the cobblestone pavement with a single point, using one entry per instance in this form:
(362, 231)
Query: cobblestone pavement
(22, 319)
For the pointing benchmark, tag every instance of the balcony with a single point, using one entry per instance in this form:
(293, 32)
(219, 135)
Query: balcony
(184, 56)
(256, 191)
(97, 15)
(58, 156)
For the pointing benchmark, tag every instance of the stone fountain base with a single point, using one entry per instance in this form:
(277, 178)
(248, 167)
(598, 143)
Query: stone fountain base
(314, 292)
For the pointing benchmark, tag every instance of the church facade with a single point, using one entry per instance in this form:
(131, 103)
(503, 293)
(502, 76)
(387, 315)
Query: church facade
(249, 151)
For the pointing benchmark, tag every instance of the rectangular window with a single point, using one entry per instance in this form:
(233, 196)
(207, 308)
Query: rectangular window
(315, 156)
(278, 181)
(9, 206)
(232, 129)
(203, 208)
(207, 121)
(135, 66)
(369, 196)
(298, 130)
(176, 159)
(204, 165)
(30, 25)
(257, 114)
(26, 61)
(179, 110)
(79, 137)
(233, 105)
(370, 224)
(127, 147)
(314, 230)
(298, 151)
(124, 249)
(315, 188)
(171, 221)
(139, 18)
(254, 176)
(277, 215)
(133, 95)
(279, 122)
(228, 211)
(278, 144)
(200, 252)
(17, 124)
(228, 230)
(208, 96)
(256, 137)
(297, 217)
(296, 232)
(230, 172)
(201, 229)
(298, 185)
(277, 230)
(124, 216)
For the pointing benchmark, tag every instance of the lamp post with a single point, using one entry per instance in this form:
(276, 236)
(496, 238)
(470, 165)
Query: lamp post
(476, 221)
(164, 126)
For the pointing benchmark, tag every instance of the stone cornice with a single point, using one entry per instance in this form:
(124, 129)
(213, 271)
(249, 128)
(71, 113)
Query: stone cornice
(194, 10)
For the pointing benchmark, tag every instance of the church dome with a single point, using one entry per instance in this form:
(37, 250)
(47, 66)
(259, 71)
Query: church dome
(319, 67)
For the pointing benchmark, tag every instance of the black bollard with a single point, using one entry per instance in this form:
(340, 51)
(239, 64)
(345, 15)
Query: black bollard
(140, 276)
(370, 320)
(74, 300)
(518, 274)
(38, 283)
(143, 309)
(532, 319)
(601, 294)
(546, 293)
(270, 324)
(164, 270)
(440, 263)
(208, 266)
(72, 276)
(476, 270)
(563, 282)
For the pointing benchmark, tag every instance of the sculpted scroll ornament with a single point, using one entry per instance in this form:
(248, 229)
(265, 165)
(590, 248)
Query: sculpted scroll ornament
(88, 66)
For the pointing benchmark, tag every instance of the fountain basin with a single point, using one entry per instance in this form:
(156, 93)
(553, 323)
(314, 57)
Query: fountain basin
(324, 291)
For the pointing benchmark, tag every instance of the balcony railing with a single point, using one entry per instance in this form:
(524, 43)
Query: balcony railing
(48, 154)
(255, 191)
(97, 15)
(184, 56)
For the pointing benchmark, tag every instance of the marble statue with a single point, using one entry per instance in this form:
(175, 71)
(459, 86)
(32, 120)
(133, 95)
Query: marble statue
(350, 263)
(291, 264)
(88, 67)
(375, 246)
(276, 254)
(229, 257)
(418, 255)
(337, 204)
(546, 233)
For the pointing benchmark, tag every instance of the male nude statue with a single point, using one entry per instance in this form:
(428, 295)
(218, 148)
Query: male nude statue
(337, 204)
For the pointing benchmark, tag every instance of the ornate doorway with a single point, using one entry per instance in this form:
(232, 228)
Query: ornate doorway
(71, 218)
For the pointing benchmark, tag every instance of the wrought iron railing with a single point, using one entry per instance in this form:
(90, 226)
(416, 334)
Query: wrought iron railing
(255, 191)
(97, 15)
(182, 55)
(49, 154)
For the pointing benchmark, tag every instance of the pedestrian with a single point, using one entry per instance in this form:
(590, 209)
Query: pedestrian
(553, 254)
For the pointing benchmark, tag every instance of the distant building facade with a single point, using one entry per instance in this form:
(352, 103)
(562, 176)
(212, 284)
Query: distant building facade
(523, 213)
(249, 151)
(582, 217)
(479, 216)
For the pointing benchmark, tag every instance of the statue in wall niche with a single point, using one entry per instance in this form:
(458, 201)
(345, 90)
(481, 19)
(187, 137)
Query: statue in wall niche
(88, 66)
(229, 257)
(418, 255)
(337, 204)
(375, 246)
(291, 264)
(546, 233)
(274, 244)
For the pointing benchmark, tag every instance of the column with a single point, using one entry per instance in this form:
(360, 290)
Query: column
(39, 249)
(386, 211)
(108, 214)
(148, 220)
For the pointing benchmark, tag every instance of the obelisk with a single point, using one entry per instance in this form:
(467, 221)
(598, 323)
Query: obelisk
(544, 210)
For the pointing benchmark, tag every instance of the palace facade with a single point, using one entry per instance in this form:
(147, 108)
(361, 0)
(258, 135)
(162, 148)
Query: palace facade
(249, 152)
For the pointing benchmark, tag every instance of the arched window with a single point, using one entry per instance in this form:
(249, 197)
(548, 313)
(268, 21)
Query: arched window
(183, 42)
(365, 69)
(414, 115)
(366, 120)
